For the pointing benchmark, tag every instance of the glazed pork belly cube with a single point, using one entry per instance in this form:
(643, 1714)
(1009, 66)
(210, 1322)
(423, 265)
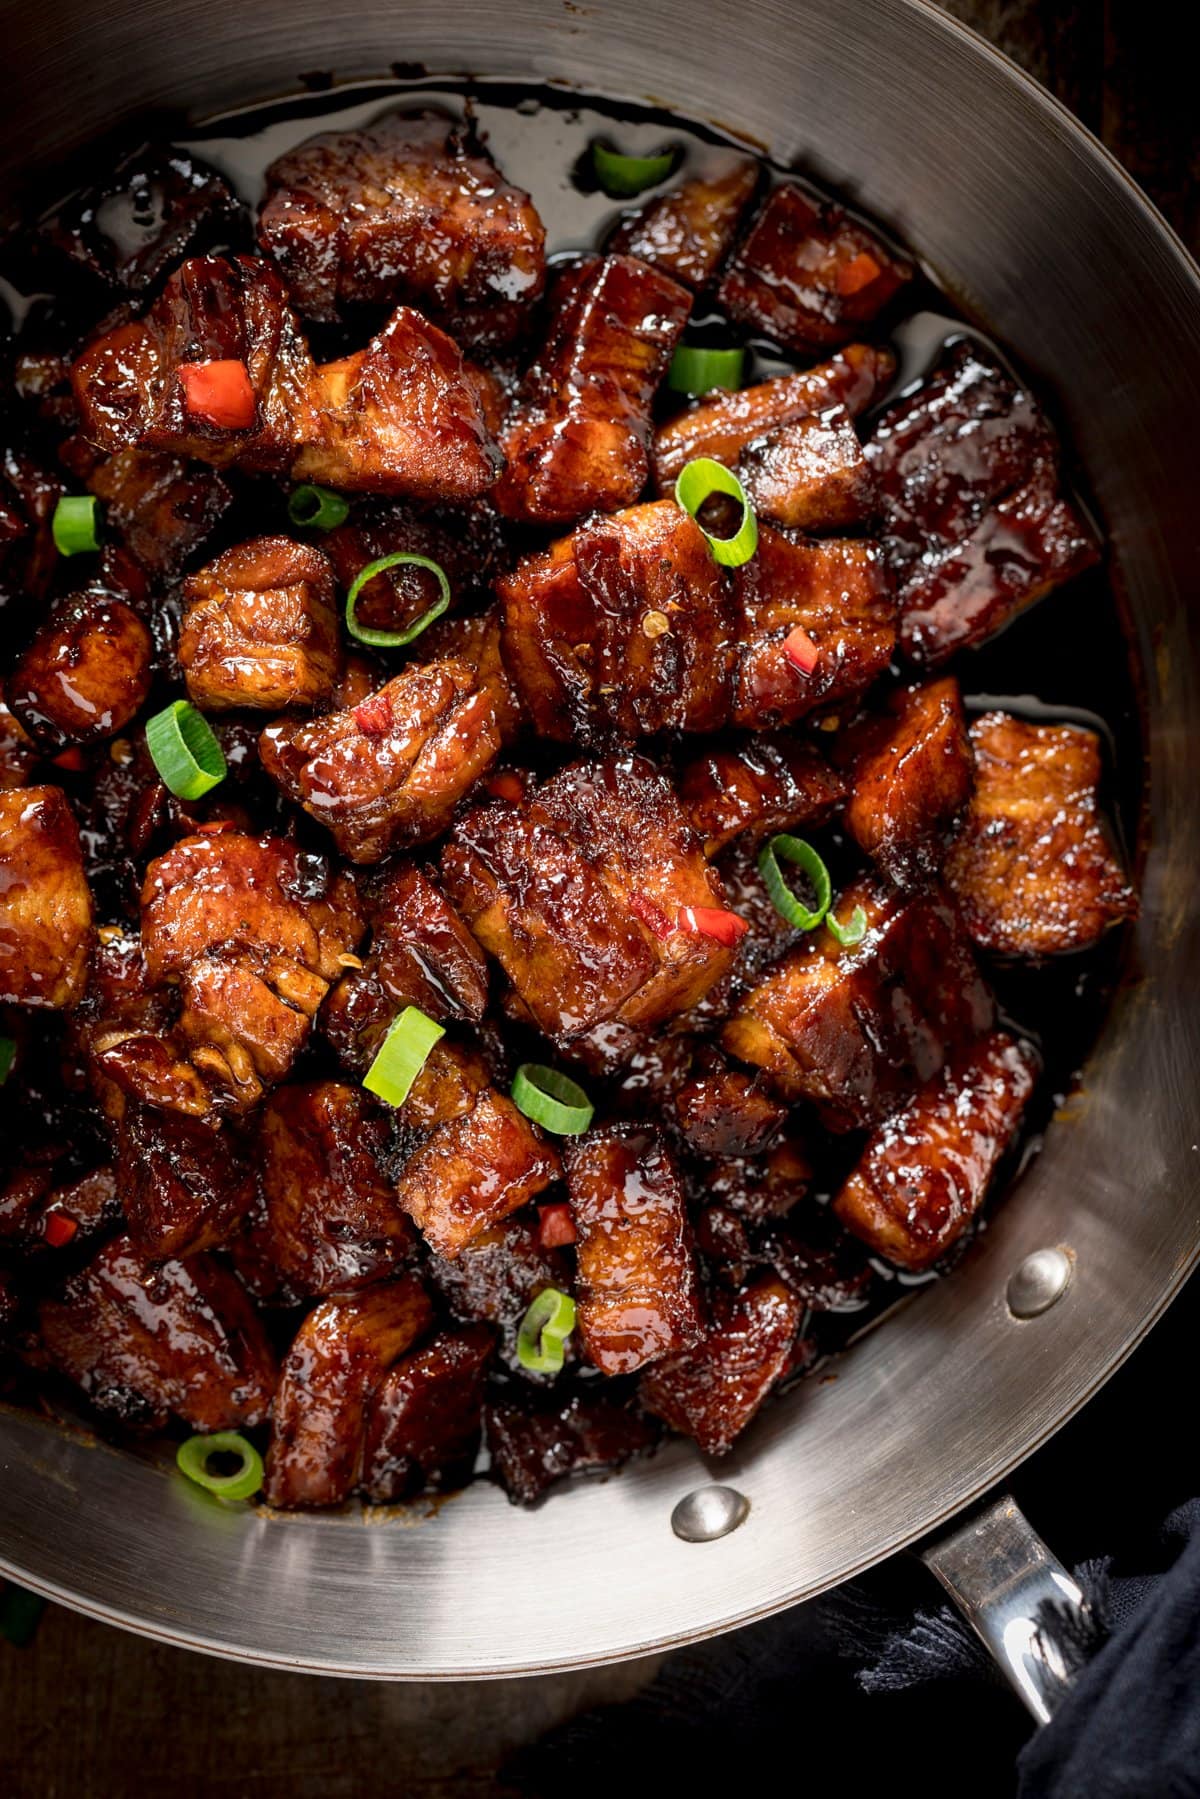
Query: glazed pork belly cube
(807, 275)
(578, 440)
(29, 494)
(332, 1220)
(762, 1186)
(497, 1276)
(584, 892)
(687, 232)
(148, 1339)
(18, 757)
(45, 902)
(855, 1031)
(810, 474)
(86, 672)
(464, 540)
(925, 1172)
(1033, 868)
(533, 1445)
(406, 209)
(260, 628)
(477, 641)
(725, 423)
(425, 1421)
(713, 1390)
(723, 1111)
(909, 774)
(388, 773)
(773, 784)
(339, 1358)
(186, 1183)
(162, 507)
(638, 1294)
(975, 522)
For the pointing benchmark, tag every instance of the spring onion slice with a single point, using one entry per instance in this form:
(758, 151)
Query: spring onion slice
(543, 1331)
(392, 640)
(697, 371)
(192, 1458)
(402, 1055)
(623, 176)
(801, 855)
(318, 508)
(76, 524)
(551, 1099)
(184, 750)
(698, 480)
(8, 1055)
(850, 933)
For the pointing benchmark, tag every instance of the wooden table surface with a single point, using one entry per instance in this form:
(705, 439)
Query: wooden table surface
(87, 1712)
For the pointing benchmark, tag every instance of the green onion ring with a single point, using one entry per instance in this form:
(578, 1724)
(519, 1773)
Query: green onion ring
(697, 371)
(76, 524)
(184, 750)
(623, 176)
(551, 1099)
(802, 855)
(402, 1055)
(698, 480)
(192, 1458)
(850, 933)
(543, 1331)
(393, 640)
(317, 508)
(8, 1055)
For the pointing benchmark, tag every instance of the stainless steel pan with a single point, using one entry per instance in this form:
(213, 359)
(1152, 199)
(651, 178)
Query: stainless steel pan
(1049, 242)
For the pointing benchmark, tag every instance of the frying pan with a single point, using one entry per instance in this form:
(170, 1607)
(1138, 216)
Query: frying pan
(1050, 243)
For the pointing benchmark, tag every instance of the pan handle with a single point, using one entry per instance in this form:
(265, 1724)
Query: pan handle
(1018, 1599)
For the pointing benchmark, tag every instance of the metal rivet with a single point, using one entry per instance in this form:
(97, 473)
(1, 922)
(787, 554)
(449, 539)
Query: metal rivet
(709, 1513)
(1041, 1279)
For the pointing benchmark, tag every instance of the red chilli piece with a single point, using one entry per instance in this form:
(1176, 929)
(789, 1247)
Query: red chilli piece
(556, 1226)
(713, 921)
(214, 826)
(800, 650)
(858, 273)
(507, 786)
(58, 1229)
(219, 393)
(71, 760)
(374, 716)
(652, 916)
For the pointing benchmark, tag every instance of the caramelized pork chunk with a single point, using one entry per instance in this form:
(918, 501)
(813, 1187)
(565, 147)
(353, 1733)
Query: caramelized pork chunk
(332, 1217)
(148, 1339)
(925, 1172)
(807, 275)
(45, 902)
(85, 673)
(497, 1276)
(909, 774)
(975, 522)
(260, 629)
(1033, 868)
(636, 1281)
(406, 209)
(388, 773)
(584, 892)
(425, 1421)
(810, 474)
(534, 1445)
(856, 1031)
(464, 540)
(723, 1111)
(338, 1360)
(713, 1390)
(773, 784)
(162, 507)
(686, 233)
(725, 423)
(477, 642)
(578, 439)
(186, 1184)
(18, 757)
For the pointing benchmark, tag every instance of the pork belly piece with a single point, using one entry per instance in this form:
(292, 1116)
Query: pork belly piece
(147, 1339)
(29, 494)
(856, 1031)
(713, 1391)
(477, 642)
(86, 672)
(162, 507)
(580, 893)
(18, 757)
(388, 773)
(157, 206)
(37, 1214)
(464, 540)
(409, 209)
(425, 1421)
(45, 903)
(185, 1186)
(762, 1186)
(723, 424)
(723, 1111)
(339, 1358)
(636, 1276)
(810, 474)
(825, 1268)
(578, 440)
(975, 522)
(497, 1276)
(807, 275)
(772, 784)
(260, 628)
(1033, 869)
(925, 1172)
(909, 773)
(533, 1445)
(686, 233)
